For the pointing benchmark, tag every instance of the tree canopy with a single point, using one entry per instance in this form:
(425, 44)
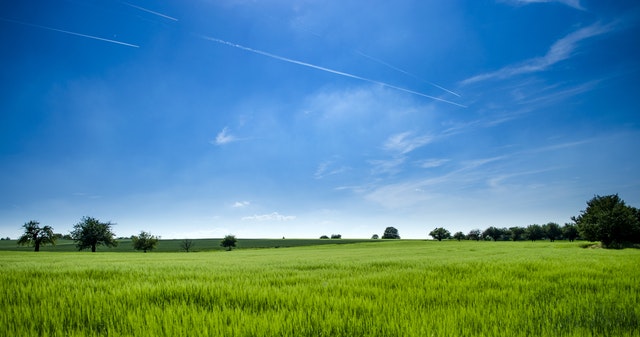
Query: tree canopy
(229, 242)
(144, 241)
(36, 236)
(391, 233)
(440, 233)
(609, 220)
(90, 232)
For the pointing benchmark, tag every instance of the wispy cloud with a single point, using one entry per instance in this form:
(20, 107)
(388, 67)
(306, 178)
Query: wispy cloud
(150, 11)
(328, 168)
(559, 51)
(341, 73)
(431, 163)
(405, 142)
(224, 137)
(71, 33)
(275, 216)
(389, 166)
(571, 3)
(241, 204)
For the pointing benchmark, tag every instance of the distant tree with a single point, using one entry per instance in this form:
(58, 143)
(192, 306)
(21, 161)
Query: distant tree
(324, 237)
(552, 231)
(187, 245)
(336, 236)
(609, 220)
(440, 233)
(517, 233)
(90, 233)
(144, 241)
(493, 232)
(570, 231)
(459, 236)
(474, 234)
(36, 236)
(534, 232)
(375, 237)
(229, 242)
(391, 233)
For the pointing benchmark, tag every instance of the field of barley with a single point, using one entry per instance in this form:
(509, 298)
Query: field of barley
(391, 288)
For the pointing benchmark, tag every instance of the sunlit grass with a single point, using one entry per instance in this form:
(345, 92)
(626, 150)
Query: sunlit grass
(404, 288)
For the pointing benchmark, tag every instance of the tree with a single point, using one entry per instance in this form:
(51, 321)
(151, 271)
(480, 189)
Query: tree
(336, 236)
(228, 242)
(570, 231)
(552, 231)
(375, 237)
(440, 233)
(474, 234)
(609, 220)
(493, 232)
(186, 245)
(324, 237)
(516, 233)
(391, 233)
(459, 236)
(144, 241)
(36, 236)
(534, 232)
(90, 233)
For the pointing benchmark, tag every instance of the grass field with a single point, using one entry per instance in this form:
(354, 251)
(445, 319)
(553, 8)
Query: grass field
(395, 288)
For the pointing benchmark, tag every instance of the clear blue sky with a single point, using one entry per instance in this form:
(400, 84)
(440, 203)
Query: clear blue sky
(302, 118)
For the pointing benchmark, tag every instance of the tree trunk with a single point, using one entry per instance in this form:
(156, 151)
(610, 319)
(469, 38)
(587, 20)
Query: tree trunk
(37, 249)
(93, 248)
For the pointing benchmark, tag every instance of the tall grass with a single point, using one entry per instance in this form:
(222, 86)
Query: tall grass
(404, 288)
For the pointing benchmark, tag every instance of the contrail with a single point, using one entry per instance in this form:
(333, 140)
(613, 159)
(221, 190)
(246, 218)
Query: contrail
(405, 72)
(150, 11)
(281, 58)
(71, 33)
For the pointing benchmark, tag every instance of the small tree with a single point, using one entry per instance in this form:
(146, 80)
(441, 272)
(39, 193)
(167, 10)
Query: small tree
(36, 236)
(187, 245)
(534, 232)
(228, 242)
(570, 231)
(552, 231)
(324, 237)
(391, 233)
(90, 233)
(459, 236)
(516, 233)
(375, 237)
(144, 241)
(493, 232)
(336, 236)
(474, 234)
(440, 233)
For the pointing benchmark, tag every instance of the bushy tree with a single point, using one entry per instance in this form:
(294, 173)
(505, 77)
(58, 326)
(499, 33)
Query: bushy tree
(391, 233)
(517, 233)
(474, 234)
(440, 233)
(336, 236)
(229, 242)
(36, 236)
(144, 241)
(324, 237)
(552, 231)
(493, 232)
(609, 220)
(90, 233)
(375, 237)
(570, 231)
(534, 232)
(459, 236)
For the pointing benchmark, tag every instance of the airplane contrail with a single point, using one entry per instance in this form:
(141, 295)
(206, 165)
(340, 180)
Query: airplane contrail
(71, 33)
(150, 11)
(405, 72)
(285, 59)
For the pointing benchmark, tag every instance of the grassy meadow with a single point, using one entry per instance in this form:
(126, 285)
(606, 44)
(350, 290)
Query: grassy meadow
(386, 288)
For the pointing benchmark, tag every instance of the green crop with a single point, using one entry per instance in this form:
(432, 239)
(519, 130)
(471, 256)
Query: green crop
(399, 288)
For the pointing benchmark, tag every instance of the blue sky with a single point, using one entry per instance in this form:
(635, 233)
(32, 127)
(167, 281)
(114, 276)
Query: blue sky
(301, 118)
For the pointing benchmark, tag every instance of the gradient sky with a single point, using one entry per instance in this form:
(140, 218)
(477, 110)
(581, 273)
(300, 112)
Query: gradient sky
(276, 118)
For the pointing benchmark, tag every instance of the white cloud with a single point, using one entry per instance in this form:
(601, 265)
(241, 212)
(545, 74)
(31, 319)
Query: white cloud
(559, 51)
(571, 3)
(275, 216)
(390, 166)
(404, 142)
(224, 137)
(431, 163)
(240, 204)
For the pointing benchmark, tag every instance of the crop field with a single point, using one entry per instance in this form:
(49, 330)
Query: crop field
(390, 288)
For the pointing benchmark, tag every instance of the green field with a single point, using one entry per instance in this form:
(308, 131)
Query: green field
(386, 288)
